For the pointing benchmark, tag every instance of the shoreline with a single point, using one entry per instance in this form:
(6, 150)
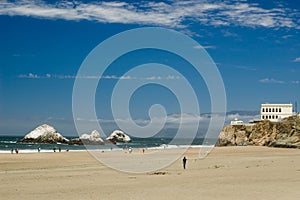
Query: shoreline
(105, 149)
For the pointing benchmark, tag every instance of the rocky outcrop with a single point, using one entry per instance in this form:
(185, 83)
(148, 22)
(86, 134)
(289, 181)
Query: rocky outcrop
(44, 134)
(48, 134)
(76, 141)
(89, 139)
(118, 136)
(264, 133)
(233, 135)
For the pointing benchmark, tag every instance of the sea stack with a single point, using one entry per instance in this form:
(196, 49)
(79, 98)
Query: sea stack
(118, 136)
(93, 138)
(44, 134)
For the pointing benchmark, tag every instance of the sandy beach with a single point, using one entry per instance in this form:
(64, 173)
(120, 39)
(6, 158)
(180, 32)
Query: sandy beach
(226, 173)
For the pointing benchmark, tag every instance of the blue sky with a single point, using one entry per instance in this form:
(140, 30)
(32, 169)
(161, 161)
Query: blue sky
(255, 45)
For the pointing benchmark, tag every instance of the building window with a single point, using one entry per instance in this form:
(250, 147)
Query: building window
(276, 116)
(263, 117)
(270, 117)
(276, 109)
(270, 110)
(266, 109)
(273, 117)
(263, 110)
(279, 109)
(273, 110)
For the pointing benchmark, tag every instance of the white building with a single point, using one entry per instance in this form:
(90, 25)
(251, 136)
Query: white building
(236, 122)
(275, 112)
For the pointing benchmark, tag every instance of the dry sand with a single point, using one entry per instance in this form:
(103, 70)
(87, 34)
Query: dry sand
(226, 173)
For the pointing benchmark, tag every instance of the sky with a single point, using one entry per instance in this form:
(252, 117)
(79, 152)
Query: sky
(254, 44)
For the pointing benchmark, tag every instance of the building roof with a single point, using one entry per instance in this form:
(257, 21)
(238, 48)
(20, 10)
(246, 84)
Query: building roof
(277, 105)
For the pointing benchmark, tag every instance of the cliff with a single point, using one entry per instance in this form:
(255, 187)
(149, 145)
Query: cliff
(265, 133)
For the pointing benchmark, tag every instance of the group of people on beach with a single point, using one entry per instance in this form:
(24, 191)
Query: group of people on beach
(16, 150)
(59, 149)
(54, 149)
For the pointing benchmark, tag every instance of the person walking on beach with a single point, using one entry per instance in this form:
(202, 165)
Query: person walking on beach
(184, 162)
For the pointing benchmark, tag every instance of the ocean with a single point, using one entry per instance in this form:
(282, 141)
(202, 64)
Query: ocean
(7, 143)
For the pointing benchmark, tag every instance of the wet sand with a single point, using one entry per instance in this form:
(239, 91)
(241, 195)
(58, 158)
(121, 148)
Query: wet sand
(226, 173)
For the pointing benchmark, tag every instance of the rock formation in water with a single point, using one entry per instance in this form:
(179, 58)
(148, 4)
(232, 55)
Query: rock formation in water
(44, 134)
(118, 136)
(89, 139)
(264, 133)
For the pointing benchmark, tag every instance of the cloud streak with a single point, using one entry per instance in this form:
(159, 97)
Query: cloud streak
(172, 14)
(275, 81)
(271, 80)
(297, 59)
(54, 76)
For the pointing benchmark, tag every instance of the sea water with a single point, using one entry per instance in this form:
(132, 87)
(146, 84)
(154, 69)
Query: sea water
(8, 143)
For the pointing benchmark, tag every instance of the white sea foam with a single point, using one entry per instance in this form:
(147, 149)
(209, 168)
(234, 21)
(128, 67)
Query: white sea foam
(21, 151)
(9, 142)
(163, 146)
(168, 146)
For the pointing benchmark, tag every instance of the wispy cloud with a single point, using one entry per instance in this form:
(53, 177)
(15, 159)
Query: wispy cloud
(297, 59)
(241, 67)
(227, 33)
(274, 81)
(205, 47)
(271, 80)
(55, 76)
(169, 14)
(247, 68)
(29, 75)
(287, 36)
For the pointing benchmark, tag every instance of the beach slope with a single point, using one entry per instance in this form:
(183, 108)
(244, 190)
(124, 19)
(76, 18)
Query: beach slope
(226, 173)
